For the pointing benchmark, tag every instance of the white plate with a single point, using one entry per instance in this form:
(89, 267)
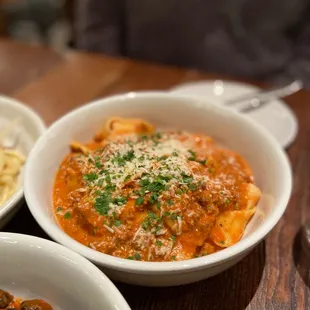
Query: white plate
(269, 164)
(275, 116)
(35, 268)
(29, 128)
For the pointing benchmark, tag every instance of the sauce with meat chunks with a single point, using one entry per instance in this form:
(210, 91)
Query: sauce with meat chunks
(8, 302)
(153, 196)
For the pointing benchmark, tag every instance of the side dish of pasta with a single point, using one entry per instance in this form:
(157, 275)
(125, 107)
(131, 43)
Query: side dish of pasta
(11, 163)
(141, 194)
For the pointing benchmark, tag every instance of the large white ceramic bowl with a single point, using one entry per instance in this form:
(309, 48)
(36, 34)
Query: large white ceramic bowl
(28, 130)
(270, 166)
(33, 268)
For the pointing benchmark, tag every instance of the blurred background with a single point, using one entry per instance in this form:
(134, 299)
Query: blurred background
(266, 40)
(49, 22)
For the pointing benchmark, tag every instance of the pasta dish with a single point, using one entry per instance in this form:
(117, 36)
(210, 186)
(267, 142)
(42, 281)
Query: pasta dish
(141, 194)
(8, 302)
(11, 162)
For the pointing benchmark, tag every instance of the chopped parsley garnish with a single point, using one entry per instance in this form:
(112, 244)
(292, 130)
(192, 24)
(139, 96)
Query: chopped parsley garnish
(67, 215)
(174, 216)
(127, 177)
(223, 242)
(58, 209)
(98, 164)
(187, 178)
(130, 257)
(192, 187)
(119, 200)
(90, 177)
(193, 154)
(137, 256)
(139, 201)
(170, 202)
(144, 137)
(158, 135)
(117, 223)
(129, 156)
(102, 203)
(152, 215)
(153, 197)
(159, 243)
(167, 213)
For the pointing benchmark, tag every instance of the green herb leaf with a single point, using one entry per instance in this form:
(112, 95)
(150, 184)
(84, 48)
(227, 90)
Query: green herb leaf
(119, 200)
(153, 197)
(127, 177)
(170, 202)
(159, 243)
(173, 238)
(90, 177)
(102, 203)
(139, 201)
(67, 215)
(192, 187)
(174, 216)
(137, 256)
(152, 215)
(117, 223)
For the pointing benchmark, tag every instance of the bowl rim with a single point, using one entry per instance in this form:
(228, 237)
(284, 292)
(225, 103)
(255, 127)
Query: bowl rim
(138, 267)
(41, 127)
(106, 285)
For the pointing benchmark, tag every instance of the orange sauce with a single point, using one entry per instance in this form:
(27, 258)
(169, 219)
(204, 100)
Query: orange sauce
(155, 218)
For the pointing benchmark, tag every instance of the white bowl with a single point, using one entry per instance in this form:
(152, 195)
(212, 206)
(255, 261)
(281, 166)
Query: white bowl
(34, 268)
(29, 128)
(270, 166)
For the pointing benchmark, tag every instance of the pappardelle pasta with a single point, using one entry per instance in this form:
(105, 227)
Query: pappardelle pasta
(140, 194)
(11, 163)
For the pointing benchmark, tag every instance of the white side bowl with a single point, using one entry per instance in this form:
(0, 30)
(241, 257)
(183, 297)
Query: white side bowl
(269, 163)
(33, 268)
(28, 130)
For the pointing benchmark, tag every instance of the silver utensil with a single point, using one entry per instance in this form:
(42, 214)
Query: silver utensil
(258, 99)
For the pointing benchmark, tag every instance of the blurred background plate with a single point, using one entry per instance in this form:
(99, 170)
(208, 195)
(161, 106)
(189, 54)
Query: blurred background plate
(275, 116)
(28, 129)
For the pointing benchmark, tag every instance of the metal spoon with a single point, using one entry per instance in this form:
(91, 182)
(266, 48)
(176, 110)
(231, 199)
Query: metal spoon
(258, 99)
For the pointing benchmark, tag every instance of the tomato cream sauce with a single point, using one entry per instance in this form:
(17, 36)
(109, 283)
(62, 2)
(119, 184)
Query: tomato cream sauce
(158, 197)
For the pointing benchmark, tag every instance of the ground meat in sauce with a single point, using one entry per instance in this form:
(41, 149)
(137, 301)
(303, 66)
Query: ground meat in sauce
(152, 198)
(7, 302)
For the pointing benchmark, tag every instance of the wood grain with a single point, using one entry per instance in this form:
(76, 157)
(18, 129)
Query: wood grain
(20, 64)
(275, 275)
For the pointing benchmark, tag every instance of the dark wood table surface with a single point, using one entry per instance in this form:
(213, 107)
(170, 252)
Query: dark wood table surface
(275, 275)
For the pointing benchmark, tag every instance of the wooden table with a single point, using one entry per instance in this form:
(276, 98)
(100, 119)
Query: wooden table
(275, 275)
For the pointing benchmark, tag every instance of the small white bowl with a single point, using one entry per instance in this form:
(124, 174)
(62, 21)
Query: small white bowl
(29, 128)
(269, 163)
(34, 268)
